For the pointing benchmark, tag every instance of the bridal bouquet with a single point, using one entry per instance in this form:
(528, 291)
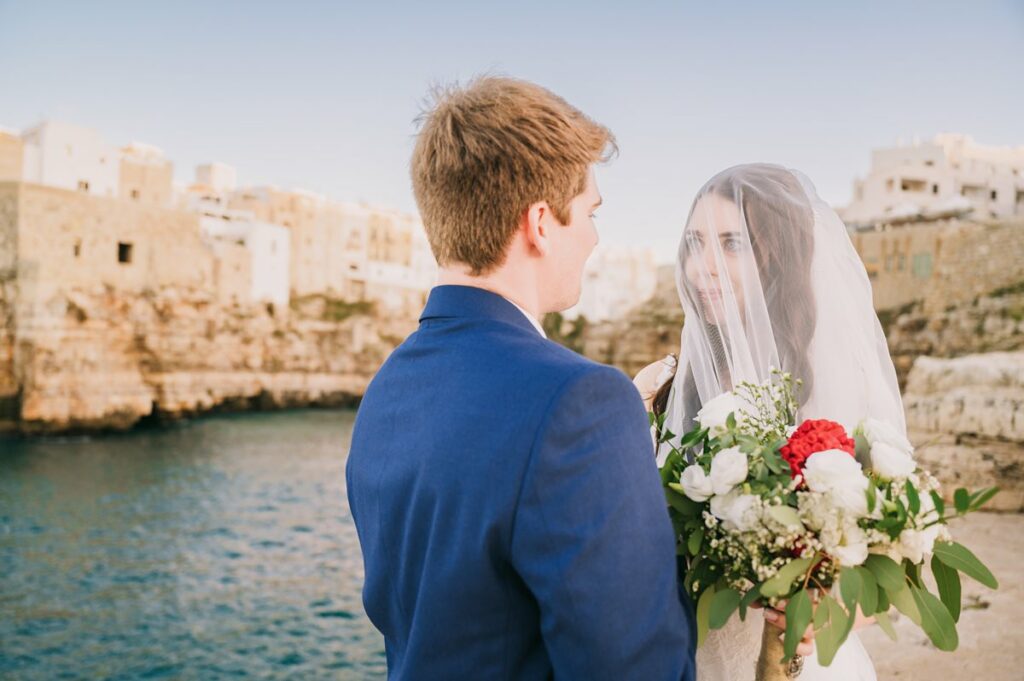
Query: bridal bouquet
(767, 511)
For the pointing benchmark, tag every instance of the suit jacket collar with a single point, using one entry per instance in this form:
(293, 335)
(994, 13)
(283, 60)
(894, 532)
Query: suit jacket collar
(465, 302)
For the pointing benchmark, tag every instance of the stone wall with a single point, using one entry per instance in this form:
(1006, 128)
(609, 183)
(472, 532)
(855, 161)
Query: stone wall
(966, 416)
(978, 259)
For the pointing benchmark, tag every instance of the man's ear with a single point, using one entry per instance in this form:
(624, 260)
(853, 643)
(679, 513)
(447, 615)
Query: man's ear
(536, 223)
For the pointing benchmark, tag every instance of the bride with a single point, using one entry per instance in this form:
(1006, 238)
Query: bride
(768, 277)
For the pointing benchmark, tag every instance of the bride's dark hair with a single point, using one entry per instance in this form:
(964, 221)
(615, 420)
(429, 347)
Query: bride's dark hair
(782, 239)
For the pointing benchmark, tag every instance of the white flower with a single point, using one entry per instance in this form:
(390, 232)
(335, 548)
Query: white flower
(696, 484)
(852, 550)
(728, 469)
(916, 544)
(735, 510)
(715, 413)
(876, 431)
(891, 462)
(838, 474)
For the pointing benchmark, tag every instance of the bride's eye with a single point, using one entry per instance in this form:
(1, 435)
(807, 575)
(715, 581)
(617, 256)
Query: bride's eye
(733, 244)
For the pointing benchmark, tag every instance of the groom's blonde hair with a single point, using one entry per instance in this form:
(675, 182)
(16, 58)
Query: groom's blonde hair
(486, 152)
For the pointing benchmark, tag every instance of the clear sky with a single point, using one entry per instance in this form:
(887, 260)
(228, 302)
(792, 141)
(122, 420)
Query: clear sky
(322, 95)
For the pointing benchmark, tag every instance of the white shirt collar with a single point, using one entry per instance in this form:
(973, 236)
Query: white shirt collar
(531, 318)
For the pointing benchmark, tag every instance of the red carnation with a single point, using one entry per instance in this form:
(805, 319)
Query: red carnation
(812, 437)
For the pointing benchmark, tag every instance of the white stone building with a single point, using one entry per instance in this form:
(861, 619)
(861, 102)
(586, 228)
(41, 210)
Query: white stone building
(71, 157)
(949, 176)
(616, 280)
(267, 246)
(220, 178)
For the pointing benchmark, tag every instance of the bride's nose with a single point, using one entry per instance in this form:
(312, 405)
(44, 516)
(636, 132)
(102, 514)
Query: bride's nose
(710, 262)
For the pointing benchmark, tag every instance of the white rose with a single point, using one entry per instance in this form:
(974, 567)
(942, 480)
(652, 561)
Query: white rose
(891, 462)
(715, 413)
(728, 469)
(696, 484)
(876, 431)
(916, 544)
(836, 473)
(735, 510)
(853, 549)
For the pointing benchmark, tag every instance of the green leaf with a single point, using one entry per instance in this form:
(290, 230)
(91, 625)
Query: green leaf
(904, 602)
(681, 502)
(883, 604)
(913, 499)
(798, 615)
(868, 592)
(748, 599)
(887, 572)
(785, 515)
(723, 605)
(940, 505)
(694, 541)
(851, 586)
(835, 627)
(962, 500)
(872, 497)
(692, 438)
(730, 421)
(780, 584)
(948, 581)
(935, 620)
(959, 557)
(703, 612)
(980, 498)
(882, 618)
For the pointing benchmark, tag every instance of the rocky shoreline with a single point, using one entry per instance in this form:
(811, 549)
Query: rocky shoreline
(88, 361)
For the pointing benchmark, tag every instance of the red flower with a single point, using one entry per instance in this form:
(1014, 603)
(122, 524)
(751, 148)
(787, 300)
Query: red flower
(812, 437)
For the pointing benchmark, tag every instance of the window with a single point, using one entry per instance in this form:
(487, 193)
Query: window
(935, 189)
(922, 265)
(135, 194)
(83, 186)
(908, 185)
(995, 194)
(78, 247)
(124, 252)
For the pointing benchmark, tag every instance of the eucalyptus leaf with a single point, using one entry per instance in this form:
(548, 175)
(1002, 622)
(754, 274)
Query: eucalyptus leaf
(882, 618)
(780, 584)
(798, 616)
(851, 586)
(935, 619)
(913, 499)
(833, 631)
(703, 612)
(904, 602)
(948, 581)
(962, 500)
(786, 515)
(958, 556)
(694, 541)
(887, 572)
(868, 592)
(723, 605)
(979, 499)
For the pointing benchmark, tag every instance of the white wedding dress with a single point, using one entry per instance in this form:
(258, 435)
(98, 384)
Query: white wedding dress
(768, 278)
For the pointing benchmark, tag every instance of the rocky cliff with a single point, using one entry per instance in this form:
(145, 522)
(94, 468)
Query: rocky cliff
(95, 359)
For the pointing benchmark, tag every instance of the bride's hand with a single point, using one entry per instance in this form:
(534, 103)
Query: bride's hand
(777, 618)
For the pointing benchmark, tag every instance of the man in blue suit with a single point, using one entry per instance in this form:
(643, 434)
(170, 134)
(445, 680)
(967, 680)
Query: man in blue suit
(511, 517)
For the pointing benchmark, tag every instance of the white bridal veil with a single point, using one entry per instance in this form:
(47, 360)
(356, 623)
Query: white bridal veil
(768, 278)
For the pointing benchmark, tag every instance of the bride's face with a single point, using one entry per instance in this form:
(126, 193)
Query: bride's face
(718, 257)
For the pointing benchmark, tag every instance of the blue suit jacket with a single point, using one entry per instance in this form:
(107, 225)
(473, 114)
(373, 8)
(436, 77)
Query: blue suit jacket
(512, 522)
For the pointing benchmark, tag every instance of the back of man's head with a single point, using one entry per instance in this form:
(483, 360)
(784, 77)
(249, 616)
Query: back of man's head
(488, 151)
